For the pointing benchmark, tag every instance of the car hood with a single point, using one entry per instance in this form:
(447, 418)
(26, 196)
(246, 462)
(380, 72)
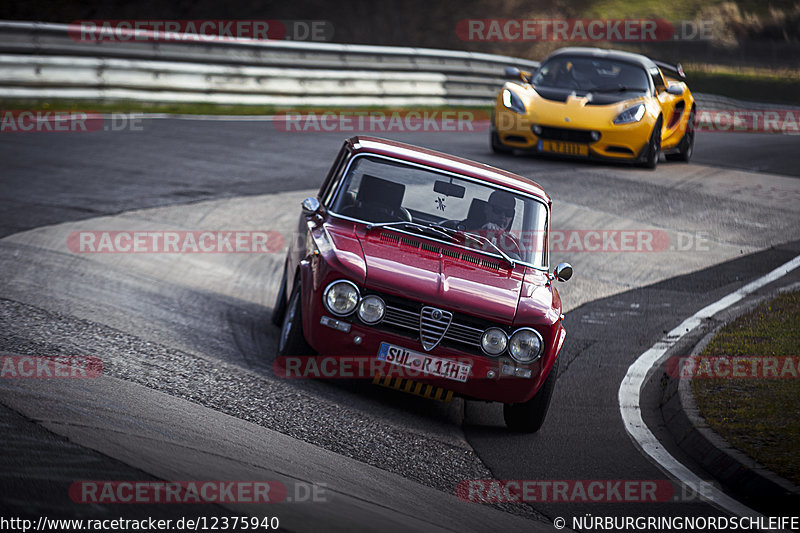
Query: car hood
(441, 275)
(577, 111)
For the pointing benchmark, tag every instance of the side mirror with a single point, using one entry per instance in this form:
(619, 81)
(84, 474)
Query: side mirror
(516, 74)
(563, 272)
(513, 73)
(310, 206)
(675, 89)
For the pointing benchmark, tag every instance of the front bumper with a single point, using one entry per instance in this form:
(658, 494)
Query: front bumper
(487, 379)
(617, 142)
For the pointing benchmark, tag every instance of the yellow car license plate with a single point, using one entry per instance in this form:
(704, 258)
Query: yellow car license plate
(566, 148)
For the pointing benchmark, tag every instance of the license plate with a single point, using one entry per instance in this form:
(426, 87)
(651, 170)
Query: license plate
(567, 148)
(423, 363)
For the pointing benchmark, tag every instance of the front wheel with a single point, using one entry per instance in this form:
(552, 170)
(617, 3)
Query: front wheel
(653, 150)
(497, 146)
(279, 309)
(528, 417)
(292, 341)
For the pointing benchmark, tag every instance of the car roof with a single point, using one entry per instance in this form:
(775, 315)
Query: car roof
(619, 55)
(446, 162)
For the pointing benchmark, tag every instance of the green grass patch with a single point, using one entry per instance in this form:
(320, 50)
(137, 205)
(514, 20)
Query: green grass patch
(761, 417)
(673, 10)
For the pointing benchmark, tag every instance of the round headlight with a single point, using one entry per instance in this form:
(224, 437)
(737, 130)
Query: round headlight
(371, 309)
(341, 297)
(494, 341)
(525, 345)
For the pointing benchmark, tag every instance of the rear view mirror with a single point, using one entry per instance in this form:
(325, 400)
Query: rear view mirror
(449, 189)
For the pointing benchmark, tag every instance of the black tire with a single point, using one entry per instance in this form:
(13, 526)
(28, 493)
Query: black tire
(279, 309)
(653, 150)
(686, 146)
(528, 417)
(497, 146)
(292, 341)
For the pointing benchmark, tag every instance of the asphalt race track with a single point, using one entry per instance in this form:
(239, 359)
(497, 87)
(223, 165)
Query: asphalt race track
(188, 390)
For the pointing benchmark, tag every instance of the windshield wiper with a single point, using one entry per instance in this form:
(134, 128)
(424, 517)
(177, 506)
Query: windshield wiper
(480, 238)
(477, 238)
(405, 223)
(371, 225)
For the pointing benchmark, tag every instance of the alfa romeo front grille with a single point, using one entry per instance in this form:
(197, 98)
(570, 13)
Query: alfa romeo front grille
(410, 321)
(433, 324)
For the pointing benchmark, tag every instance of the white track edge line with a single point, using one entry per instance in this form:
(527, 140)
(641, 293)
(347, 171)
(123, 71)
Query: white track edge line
(631, 386)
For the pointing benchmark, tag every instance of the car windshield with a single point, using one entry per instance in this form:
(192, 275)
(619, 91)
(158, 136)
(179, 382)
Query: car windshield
(444, 207)
(588, 74)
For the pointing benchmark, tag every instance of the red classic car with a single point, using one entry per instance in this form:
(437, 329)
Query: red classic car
(430, 263)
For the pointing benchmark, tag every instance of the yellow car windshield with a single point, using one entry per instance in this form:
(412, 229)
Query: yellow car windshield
(585, 74)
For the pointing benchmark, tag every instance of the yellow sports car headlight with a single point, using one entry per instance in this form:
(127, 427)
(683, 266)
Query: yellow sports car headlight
(513, 102)
(630, 115)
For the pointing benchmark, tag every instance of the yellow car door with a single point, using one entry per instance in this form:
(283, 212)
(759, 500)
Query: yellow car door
(667, 100)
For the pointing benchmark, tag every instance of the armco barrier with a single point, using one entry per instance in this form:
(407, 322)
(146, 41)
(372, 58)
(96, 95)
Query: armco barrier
(40, 60)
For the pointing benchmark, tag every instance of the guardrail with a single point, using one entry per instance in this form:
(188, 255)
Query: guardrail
(41, 60)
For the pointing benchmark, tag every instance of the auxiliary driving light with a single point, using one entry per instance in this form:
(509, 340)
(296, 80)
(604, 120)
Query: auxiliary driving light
(371, 309)
(494, 341)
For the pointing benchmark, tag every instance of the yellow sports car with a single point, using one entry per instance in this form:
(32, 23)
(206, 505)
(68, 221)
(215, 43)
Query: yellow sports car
(595, 103)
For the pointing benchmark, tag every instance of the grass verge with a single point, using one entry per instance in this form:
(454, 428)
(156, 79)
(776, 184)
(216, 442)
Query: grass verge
(760, 417)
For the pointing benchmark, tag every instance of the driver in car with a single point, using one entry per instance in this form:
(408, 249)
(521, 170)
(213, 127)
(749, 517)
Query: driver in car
(499, 213)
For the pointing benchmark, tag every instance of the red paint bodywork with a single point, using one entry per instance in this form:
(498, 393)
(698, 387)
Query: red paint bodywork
(515, 297)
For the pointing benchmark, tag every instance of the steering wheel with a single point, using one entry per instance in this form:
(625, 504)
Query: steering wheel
(503, 240)
(516, 251)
